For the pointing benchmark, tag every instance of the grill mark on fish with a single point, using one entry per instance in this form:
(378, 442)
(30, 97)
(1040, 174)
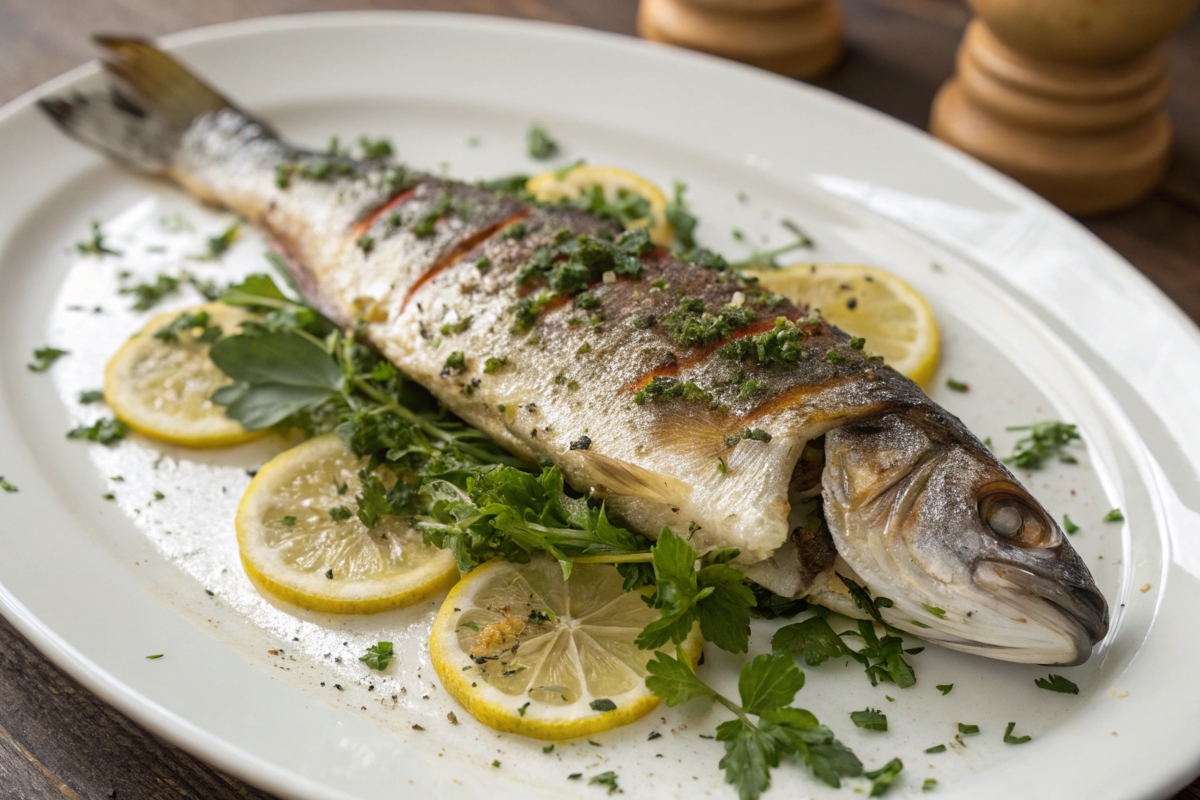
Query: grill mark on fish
(391, 205)
(458, 252)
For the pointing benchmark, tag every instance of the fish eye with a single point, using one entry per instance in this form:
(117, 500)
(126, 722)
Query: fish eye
(1014, 520)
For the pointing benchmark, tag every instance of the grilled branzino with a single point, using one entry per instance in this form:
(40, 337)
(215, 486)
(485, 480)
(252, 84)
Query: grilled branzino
(682, 394)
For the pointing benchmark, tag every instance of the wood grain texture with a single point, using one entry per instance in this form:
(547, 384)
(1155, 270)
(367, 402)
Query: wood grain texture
(59, 741)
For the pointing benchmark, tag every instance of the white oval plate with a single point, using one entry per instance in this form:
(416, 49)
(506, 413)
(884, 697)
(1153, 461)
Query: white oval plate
(1038, 316)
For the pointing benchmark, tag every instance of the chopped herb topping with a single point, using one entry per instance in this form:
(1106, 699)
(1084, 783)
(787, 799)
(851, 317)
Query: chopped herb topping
(340, 513)
(968, 730)
(957, 386)
(666, 388)
(539, 145)
(217, 246)
(582, 443)
(752, 388)
(96, 245)
(1114, 515)
(149, 295)
(424, 225)
(44, 357)
(366, 244)
(870, 719)
(6, 486)
(459, 326)
(680, 217)
(603, 704)
(378, 655)
(945, 688)
(373, 149)
(154, 657)
(456, 362)
(104, 431)
(289, 520)
(1069, 526)
(858, 342)
(189, 322)
(765, 259)
(883, 778)
(494, 365)
(1010, 739)
(937, 612)
(1057, 683)
(689, 326)
(608, 779)
(1045, 440)
(517, 230)
(779, 345)
(834, 357)
(929, 785)
(573, 263)
(753, 434)
(526, 310)
(937, 748)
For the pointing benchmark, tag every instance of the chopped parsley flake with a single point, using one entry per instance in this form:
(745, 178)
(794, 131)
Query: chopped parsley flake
(779, 345)
(456, 362)
(378, 655)
(149, 295)
(968, 730)
(104, 431)
(870, 719)
(91, 396)
(6, 486)
(689, 326)
(753, 434)
(373, 149)
(1010, 739)
(44, 357)
(883, 778)
(96, 245)
(366, 244)
(1057, 683)
(217, 246)
(189, 322)
(494, 365)
(457, 327)
(667, 388)
(340, 513)
(937, 748)
(945, 688)
(957, 386)
(1045, 440)
(937, 612)
(608, 779)
(929, 785)
(538, 143)
(603, 704)
(1069, 526)
(1114, 515)
(289, 520)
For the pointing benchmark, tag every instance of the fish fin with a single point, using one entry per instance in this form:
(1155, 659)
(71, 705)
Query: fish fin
(140, 119)
(612, 476)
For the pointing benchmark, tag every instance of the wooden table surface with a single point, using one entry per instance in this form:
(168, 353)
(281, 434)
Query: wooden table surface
(57, 739)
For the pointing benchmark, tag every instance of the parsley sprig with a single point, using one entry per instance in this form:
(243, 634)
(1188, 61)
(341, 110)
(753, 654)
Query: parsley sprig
(767, 685)
(1046, 440)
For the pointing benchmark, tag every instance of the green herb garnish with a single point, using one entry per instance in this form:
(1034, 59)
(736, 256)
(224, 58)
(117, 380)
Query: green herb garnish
(96, 246)
(1010, 739)
(1114, 515)
(104, 431)
(1057, 683)
(1068, 526)
(870, 719)
(1045, 440)
(608, 779)
(44, 357)
(539, 145)
(378, 655)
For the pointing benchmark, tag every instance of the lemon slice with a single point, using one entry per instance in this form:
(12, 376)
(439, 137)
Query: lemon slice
(526, 652)
(161, 387)
(553, 187)
(864, 301)
(300, 538)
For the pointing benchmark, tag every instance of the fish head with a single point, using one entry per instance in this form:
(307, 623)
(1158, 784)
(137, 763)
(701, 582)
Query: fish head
(924, 513)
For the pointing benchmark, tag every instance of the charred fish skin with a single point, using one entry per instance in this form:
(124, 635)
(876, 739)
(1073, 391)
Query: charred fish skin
(698, 391)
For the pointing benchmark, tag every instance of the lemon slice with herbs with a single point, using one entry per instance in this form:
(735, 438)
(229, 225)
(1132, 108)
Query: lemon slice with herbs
(896, 322)
(637, 201)
(527, 652)
(300, 537)
(161, 380)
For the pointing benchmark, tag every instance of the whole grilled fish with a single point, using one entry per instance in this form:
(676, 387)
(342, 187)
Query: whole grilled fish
(682, 393)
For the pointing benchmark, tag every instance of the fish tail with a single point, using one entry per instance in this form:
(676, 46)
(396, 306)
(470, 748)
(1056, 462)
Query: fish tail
(140, 119)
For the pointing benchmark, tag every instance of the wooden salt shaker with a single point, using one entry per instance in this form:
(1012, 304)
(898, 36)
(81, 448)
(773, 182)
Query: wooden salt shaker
(799, 38)
(1066, 96)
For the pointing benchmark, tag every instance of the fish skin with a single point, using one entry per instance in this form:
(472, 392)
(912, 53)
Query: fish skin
(655, 464)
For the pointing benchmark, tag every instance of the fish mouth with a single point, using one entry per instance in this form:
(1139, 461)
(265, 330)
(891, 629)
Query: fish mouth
(1081, 610)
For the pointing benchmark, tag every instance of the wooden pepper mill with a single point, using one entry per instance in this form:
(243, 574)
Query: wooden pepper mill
(799, 38)
(1066, 96)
